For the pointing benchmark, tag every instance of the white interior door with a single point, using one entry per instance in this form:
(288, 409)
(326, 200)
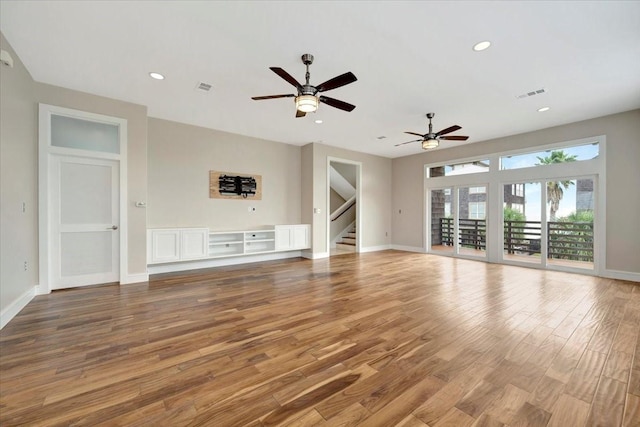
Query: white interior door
(84, 221)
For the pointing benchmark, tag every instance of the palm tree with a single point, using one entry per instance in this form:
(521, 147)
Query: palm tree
(555, 190)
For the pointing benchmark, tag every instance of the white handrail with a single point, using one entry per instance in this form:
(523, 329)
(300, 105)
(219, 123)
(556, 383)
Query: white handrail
(343, 208)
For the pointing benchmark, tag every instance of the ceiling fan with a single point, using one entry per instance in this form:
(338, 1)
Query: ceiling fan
(431, 140)
(307, 98)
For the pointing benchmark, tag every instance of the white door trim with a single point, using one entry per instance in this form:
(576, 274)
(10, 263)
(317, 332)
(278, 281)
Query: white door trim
(359, 225)
(45, 150)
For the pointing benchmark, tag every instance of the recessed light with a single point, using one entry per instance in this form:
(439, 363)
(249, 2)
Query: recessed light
(481, 46)
(318, 121)
(156, 76)
(543, 109)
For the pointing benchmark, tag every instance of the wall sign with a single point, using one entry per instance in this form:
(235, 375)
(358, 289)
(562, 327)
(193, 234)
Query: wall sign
(232, 185)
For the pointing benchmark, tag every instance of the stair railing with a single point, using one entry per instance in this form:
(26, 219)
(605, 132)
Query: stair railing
(343, 208)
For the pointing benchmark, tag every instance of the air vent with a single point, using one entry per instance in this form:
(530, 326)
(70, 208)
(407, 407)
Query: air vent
(204, 87)
(532, 93)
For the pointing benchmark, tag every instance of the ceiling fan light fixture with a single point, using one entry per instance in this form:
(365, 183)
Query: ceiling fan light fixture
(306, 103)
(430, 144)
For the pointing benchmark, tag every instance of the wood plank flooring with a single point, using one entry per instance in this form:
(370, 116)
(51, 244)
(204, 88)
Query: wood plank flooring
(378, 339)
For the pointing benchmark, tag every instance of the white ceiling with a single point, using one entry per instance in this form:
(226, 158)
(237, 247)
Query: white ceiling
(410, 58)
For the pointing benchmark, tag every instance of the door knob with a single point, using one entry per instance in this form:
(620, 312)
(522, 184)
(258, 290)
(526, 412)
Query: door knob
(113, 227)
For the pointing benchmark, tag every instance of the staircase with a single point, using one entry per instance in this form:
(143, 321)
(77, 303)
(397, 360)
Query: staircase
(348, 242)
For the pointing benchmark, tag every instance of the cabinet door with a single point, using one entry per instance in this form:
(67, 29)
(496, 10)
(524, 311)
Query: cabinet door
(165, 246)
(301, 236)
(194, 243)
(284, 237)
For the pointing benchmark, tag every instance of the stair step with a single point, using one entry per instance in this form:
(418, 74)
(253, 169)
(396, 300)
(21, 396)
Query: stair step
(345, 248)
(351, 235)
(348, 241)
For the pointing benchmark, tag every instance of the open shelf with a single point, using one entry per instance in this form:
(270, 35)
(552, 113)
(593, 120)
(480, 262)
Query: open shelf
(226, 244)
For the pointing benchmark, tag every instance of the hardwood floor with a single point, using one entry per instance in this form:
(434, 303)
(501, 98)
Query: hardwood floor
(378, 339)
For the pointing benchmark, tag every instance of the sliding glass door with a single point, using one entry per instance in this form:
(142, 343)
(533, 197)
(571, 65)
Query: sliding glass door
(570, 217)
(441, 222)
(472, 221)
(458, 223)
(522, 226)
(550, 223)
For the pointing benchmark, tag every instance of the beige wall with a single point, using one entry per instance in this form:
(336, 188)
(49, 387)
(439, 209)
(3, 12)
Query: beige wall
(180, 158)
(136, 116)
(376, 196)
(307, 197)
(622, 180)
(19, 100)
(18, 181)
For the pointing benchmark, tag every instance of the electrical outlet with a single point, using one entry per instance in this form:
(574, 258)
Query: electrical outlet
(386, 234)
(25, 266)
(24, 207)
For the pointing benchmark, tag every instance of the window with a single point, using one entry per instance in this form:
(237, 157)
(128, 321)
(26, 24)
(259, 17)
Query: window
(476, 166)
(517, 190)
(555, 155)
(477, 210)
(477, 190)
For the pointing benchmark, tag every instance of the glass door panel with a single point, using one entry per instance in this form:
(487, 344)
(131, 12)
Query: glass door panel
(522, 222)
(441, 222)
(472, 222)
(570, 216)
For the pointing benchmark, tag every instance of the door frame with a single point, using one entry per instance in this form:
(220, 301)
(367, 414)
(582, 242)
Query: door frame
(359, 227)
(45, 151)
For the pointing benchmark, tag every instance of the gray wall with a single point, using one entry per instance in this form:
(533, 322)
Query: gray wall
(180, 158)
(18, 181)
(623, 178)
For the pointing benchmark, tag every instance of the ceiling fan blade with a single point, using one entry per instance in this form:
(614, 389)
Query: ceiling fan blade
(455, 138)
(416, 134)
(282, 73)
(341, 80)
(258, 98)
(448, 130)
(300, 113)
(336, 103)
(408, 142)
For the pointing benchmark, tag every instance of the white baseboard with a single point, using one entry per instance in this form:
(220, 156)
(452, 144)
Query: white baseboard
(622, 275)
(316, 255)
(375, 248)
(135, 278)
(14, 308)
(408, 248)
(220, 262)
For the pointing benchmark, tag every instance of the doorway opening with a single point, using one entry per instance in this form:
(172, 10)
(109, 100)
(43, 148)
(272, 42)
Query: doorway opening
(344, 227)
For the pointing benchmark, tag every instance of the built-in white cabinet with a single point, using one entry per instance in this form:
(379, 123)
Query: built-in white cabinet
(163, 245)
(177, 244)
(194, 243)
(292, 237)
(185, 244)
